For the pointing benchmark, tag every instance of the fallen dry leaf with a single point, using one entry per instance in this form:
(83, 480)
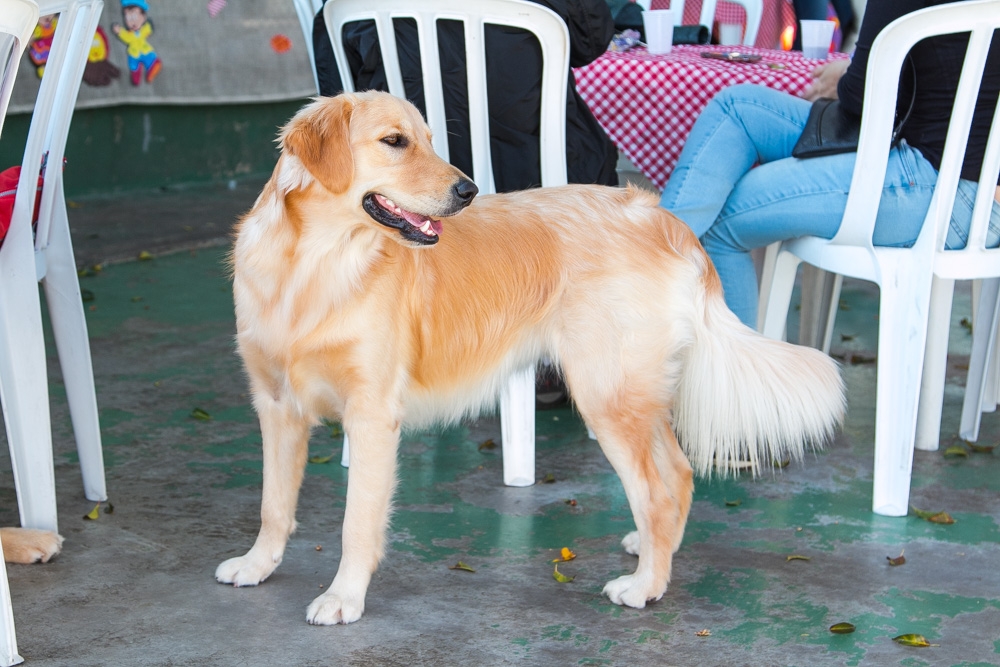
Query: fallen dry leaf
(912, 640)
(461, 566)
(933, 517)
(704, 633)
(565, 555)
(898, 560)
(560, 577)
(487, 445)
(93, 514)
(320, 459)
(842, 628)
(797, 557)
(200, 415)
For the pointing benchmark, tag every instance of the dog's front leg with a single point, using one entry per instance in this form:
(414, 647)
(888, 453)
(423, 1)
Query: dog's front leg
(286, 441)
(370, 485)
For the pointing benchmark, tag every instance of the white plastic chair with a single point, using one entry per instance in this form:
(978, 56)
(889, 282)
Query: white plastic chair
(904, 275)
(306, 11)
(517, 405)
(48, 258)
(754, 10)
(17, 21)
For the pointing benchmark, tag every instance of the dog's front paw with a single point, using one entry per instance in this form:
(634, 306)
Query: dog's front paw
(248, 570)
(28, 545)
(332, 608)
(633, 590)
(630, 543)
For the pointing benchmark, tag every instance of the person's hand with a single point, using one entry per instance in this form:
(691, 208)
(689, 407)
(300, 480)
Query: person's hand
(825, 79)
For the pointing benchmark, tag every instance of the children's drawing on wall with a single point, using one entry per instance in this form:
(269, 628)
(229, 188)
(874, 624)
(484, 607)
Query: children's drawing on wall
(99, 71)
(41, 42)
(135, 33)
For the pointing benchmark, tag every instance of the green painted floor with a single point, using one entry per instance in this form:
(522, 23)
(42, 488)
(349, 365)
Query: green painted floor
(135, 587)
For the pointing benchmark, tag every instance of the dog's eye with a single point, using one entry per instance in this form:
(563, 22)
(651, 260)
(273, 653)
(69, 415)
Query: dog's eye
(395, 140)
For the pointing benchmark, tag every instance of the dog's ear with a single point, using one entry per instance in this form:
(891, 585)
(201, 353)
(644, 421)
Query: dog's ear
(320, 138)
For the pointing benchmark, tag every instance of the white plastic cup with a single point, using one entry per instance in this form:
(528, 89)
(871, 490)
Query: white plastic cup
(659, 28)
(816, 38)
(730, 33)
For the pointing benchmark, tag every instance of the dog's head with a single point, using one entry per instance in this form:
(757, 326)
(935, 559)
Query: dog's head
(375, 150)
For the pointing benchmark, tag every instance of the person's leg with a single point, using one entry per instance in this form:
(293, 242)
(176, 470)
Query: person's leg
(791, 198)
(740, 127)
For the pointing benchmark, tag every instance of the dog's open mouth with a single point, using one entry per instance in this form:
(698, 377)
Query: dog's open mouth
(412, 226)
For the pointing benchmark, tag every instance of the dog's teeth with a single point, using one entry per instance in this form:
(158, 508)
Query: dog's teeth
(390, 204)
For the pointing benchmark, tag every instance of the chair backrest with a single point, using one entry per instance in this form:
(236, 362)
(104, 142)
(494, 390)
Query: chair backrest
(306, 11)
(545, 24)
(53, 110)
(17, 21)
(979, 18)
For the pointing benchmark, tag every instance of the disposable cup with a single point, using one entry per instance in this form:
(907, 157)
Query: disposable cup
(659, 29)
(730, 33)
(816, 38)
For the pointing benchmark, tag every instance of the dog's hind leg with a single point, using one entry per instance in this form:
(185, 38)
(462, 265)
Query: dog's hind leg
(372, 480)
(678, 478)
(286, 437)
(626, 428)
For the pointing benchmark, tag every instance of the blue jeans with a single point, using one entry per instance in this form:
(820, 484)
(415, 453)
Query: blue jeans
(733, 207)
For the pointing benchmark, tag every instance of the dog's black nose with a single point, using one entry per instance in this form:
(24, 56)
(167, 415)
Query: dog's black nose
(465, 190)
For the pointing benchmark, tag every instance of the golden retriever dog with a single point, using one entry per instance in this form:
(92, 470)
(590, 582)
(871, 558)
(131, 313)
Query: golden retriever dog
(356, 301)
(27, 545)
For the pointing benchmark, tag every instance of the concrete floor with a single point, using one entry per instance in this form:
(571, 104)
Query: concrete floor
(136, 586)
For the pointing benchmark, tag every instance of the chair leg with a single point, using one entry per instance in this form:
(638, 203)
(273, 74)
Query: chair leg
(903, 312)
(69, 327)
(820, 294)
(8, 640)
(779, 296)
(935, 365)
(983, 350)
(345, 456)
(517, 422)
(24, 382)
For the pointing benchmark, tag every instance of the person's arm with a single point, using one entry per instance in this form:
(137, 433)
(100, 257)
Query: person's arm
(825, 80)
(878, 14)
(590, 26)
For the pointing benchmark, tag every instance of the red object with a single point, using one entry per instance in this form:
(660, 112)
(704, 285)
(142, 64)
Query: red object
(8, 188)
(281, 43)
(648, 103)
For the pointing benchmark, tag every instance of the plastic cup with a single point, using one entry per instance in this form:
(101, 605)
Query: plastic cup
(816, 38)
(730, 33)
(659, 28)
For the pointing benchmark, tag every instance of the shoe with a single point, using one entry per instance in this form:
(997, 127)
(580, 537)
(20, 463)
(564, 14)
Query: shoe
(550, 390)
(153, 70)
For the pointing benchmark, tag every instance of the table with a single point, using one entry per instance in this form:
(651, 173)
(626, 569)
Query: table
(648, 103)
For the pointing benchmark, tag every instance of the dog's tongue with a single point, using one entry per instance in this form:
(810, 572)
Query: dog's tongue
(415, 219)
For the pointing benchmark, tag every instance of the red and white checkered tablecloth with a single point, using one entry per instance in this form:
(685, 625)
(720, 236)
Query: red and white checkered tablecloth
(648, 103)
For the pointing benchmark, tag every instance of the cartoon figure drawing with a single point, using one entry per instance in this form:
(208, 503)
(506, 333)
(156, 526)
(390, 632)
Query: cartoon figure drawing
(41, 42)
(137, 30)
(98, 71)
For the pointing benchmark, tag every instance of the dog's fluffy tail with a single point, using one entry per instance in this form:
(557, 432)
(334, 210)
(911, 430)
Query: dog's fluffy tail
(748, 401)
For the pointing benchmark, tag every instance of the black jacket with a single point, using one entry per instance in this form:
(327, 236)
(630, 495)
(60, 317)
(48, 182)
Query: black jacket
(937, 62)
(513, 79)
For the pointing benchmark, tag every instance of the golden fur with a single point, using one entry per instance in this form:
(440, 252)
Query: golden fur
(340, 315)
(26, 545)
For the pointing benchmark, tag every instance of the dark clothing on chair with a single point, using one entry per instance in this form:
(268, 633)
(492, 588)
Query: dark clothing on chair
(937, 61)
(513, 80)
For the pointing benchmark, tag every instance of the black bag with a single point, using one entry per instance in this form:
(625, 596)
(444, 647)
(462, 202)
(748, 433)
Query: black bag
(829, 130)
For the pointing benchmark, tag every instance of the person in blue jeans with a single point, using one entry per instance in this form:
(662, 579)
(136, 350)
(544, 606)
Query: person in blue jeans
(734, 207)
